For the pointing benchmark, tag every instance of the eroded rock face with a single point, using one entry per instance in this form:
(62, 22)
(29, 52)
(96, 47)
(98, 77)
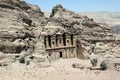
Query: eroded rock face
(89, 32)
(19, 26)
(75, 23)
(23, 26)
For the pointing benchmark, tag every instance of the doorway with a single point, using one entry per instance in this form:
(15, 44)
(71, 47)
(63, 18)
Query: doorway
(61, 55)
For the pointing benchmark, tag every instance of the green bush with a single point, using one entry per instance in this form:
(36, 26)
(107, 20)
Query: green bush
(103, 66)
(94, 62)
(22, 60)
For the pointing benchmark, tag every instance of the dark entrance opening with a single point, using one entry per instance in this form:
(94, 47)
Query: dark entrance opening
(49, 40)
(71, 36)
(61, 54)
(64, 39)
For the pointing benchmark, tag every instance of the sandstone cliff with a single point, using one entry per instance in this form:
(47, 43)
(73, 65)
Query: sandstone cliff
(20, 27)
(23, 25)
(78, 24)
(89, 32)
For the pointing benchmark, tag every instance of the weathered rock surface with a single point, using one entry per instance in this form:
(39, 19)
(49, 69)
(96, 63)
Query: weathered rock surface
(89, 32)
(20, 26)
(115, 29)
(75, 23)
(23, 26)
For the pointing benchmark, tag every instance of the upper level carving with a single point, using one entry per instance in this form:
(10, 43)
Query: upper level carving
(58, 41)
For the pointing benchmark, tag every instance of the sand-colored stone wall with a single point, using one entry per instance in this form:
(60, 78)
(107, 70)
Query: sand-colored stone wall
(62, 53)
(61, 46)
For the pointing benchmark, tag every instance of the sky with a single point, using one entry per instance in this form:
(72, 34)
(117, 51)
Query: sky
(79, 5)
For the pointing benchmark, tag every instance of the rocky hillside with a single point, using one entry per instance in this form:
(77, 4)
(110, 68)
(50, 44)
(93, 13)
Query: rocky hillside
(20, 26)
(88, 31)
(23, 25)
(116, 29)
(77, 24)
(111, 18)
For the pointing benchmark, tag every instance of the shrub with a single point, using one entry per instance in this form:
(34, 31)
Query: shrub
(22, 60)
(31, 57)
(103, 66)
(94, 62)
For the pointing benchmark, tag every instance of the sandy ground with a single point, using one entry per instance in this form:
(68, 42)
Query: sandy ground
(59, 70)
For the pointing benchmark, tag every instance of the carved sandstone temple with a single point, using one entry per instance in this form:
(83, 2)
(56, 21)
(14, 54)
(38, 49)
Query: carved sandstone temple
(60, 46)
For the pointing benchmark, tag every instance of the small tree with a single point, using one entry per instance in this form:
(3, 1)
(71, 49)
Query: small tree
(22, 60)
(103, 66)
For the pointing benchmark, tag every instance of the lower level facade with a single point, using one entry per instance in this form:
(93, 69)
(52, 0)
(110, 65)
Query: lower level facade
(63, 52)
